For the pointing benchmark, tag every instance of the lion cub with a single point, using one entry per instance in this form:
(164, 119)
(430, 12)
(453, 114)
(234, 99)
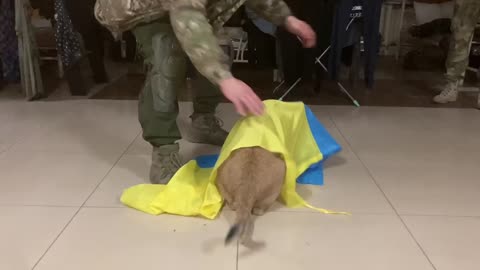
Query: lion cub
(250, 181)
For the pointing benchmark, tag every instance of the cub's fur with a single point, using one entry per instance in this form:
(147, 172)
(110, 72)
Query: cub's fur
(250, 181)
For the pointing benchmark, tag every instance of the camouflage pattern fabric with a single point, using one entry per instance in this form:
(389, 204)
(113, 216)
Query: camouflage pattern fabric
(194, 23)
(157, 107)
(467, 14)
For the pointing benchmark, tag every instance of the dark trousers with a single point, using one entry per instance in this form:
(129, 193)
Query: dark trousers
(82, 15)
(261, 47)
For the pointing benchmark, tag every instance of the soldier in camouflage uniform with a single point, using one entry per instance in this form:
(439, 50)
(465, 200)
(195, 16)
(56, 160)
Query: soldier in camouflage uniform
(467, 14)
(165, 31)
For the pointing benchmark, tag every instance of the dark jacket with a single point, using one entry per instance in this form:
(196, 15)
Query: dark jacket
(340, 37)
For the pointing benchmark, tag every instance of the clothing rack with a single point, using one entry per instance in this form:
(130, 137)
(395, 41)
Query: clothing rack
(357, 13)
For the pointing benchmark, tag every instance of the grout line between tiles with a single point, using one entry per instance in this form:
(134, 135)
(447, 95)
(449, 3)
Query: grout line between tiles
(16, 142)
(82, 206)
(103, 207)
(237, 262)
(433, 215)
(385, 196)
(38, 205)
(5, 150)
(56, 238)
(134, 140)
(286, 210)
(42, 131)
(313, 212)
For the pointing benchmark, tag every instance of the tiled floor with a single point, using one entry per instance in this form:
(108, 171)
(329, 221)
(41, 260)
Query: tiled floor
(410, 177)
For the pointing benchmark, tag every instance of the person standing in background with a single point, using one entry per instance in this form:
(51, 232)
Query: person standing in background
(465, 19)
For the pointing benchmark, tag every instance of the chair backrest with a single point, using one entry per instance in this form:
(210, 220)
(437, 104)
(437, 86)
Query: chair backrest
(239, 40)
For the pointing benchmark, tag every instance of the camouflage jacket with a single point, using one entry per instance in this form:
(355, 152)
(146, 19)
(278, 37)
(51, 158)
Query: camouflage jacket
(194, 23)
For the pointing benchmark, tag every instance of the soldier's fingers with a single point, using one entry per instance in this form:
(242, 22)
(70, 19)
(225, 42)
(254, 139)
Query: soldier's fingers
(255, 104)
(239, 107)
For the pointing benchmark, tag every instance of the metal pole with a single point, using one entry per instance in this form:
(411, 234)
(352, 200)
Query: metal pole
(290, 89)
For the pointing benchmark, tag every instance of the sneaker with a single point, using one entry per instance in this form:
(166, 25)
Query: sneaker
(207, 129)
(449, 94)
(165, 163)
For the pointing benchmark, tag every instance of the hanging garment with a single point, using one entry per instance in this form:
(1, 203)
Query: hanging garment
(292, 57)
(8, 42)
(261, 46)
(261, 40)
(320, 16)
(293, 62)
(29, 57)
(371, 12)
(68, 42)
(46, 8)
(289, 129)
(298, 61)
(262, 24)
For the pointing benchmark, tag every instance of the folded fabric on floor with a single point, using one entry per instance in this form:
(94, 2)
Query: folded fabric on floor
(290, 129)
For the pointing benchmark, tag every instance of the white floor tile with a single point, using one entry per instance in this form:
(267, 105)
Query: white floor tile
(323, 115)
(134, 169)
(27, 232)
(21, 120)
(451, 243)
(36, 178)
(409, 132)
(348, 187)
(4, 147)
(99, 239)
(102, 128)
(139, 147)
(56, 153)
(418, 186)
(130, 170)
(312, 241)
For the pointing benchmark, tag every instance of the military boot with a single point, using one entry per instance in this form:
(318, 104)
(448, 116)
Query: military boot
(207, 129)
(449, 94)
(165, 163)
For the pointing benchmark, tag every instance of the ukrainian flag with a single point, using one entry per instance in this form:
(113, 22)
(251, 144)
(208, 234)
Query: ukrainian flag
(288, 128)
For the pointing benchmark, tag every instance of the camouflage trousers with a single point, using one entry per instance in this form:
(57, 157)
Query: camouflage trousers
(467, 14)
(167, 65)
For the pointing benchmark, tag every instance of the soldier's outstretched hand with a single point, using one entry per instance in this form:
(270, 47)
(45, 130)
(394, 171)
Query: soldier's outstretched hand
(302, 30)
(242, 96)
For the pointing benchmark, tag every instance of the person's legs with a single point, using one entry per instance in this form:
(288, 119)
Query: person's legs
(290, 50)
(82, 15)
(158, 107)
(94, 43)
(206, 96)
(467, 13)
(206, 128)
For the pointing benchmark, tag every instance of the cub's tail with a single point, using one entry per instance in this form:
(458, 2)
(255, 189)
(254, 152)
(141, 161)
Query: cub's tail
(238, 229)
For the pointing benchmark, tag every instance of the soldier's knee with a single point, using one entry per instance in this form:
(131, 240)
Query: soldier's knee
(169, 58)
